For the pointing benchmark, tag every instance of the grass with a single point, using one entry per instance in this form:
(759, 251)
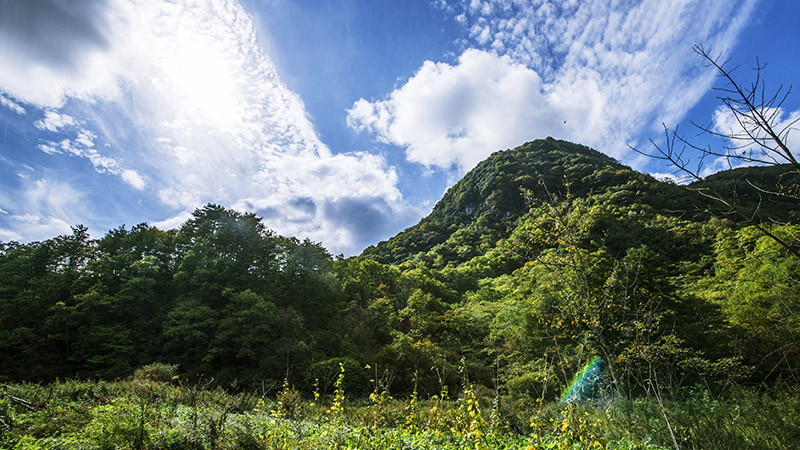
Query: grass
(149, 414)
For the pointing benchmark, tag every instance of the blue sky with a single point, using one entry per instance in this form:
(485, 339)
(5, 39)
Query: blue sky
(343, 121)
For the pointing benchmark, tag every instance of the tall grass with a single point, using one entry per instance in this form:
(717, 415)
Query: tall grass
(146, 413)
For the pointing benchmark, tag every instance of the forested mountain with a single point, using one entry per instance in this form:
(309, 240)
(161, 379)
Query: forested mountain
(758, 194)
(485, 205)
(539, 259)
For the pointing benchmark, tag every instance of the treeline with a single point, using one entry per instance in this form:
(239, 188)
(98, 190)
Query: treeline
(222, 296)
(655, 296)
(541, 259)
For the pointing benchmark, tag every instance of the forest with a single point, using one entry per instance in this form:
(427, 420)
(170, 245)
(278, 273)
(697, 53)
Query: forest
(465, 329)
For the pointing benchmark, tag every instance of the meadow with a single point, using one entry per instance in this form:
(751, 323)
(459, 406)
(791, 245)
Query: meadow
(151, 411)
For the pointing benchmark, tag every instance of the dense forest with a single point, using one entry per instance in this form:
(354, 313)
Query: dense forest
(539, 260)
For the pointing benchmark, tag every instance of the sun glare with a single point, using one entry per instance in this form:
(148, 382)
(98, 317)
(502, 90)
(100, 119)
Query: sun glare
(202, 76)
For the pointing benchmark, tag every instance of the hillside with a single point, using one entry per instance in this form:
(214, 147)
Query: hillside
(485, 204)
(764, 194)
(541, 260)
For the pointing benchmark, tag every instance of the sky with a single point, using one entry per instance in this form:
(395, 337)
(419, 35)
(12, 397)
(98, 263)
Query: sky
(343, 121)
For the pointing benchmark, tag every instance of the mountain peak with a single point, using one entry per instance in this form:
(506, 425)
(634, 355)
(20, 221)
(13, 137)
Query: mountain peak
(487, 201)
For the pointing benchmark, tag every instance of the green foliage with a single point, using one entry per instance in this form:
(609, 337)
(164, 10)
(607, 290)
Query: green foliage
(158, 372)
(289, 403)
(540, 259)
(222, 297)
(336, 410)
(481, 208)
(755, 284)
(328, 375)
(143, 414)
(767, 194)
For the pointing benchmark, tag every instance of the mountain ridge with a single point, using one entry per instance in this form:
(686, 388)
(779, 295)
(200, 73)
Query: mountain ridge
(488, 200)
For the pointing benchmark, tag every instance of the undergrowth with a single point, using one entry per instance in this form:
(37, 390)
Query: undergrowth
(150, 413)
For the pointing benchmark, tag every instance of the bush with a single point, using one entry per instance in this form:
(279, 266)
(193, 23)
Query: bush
(356, 378)
(157, 372)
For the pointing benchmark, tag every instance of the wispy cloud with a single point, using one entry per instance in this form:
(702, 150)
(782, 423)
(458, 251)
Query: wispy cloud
(12, 105)
(672, 177)
(133, 178)
(81, 144)
(45, 208)
(744, 132)
(589, 71)
(194, 111)
(743, 137)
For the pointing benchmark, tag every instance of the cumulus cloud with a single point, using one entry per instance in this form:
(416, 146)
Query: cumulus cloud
(342, 198)
(53, 121)
(194, 111)
(459, 114)
(593, 72)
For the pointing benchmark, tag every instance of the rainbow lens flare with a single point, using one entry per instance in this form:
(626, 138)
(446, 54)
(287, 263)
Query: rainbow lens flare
(586, 383)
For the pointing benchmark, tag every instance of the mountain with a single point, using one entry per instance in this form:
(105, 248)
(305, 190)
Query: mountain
(758, 194)
(539, 257)
(485, 205)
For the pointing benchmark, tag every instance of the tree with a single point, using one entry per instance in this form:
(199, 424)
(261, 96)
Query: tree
(222, 249)
(755, 283)
(250, 339)
(759, 136)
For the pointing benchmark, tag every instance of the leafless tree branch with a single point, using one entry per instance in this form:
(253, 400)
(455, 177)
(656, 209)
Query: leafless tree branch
(758, 139)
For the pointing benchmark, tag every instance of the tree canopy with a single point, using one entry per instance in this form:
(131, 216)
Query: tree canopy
(540, 259)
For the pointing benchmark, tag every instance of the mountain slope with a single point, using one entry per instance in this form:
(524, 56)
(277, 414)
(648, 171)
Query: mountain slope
(759, 194)
(484, 205)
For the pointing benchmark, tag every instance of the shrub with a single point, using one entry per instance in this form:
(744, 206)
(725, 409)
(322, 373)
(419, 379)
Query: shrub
(157, 372)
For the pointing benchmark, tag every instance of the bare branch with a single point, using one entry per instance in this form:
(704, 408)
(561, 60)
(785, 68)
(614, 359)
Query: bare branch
(758, 139)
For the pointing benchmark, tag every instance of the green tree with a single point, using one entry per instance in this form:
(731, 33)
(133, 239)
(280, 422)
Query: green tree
(223, 249)
(250, 339)
(188, 330)
(756, 284)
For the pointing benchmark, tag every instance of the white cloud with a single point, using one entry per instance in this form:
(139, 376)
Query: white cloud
(13, 106)
(207, 119)
(86, 138)
(33, 228)
(133, 178)
(671, 177)
(53, 121)
(742, 150)
(49, 148)
(173, 222)
(82, 146)
(53, 50)
(44, 208)
(744, 132)
(612, 71)
(459, 114)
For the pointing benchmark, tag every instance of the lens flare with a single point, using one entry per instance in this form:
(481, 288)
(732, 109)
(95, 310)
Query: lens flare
(586, 383)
